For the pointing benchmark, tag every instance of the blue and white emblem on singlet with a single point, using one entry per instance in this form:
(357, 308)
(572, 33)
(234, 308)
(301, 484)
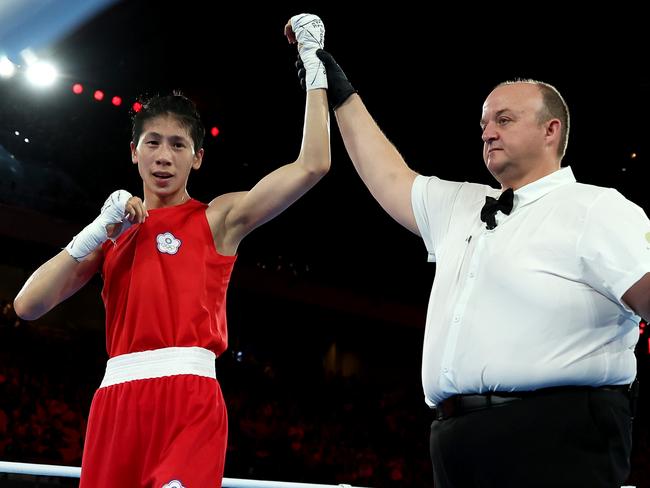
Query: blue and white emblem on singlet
(167, 244)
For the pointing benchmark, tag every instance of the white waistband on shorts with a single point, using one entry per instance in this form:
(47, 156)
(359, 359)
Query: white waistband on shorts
(157, 363)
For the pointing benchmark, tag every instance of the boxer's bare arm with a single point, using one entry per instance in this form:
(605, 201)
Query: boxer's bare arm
(53, 282)
(72, 268)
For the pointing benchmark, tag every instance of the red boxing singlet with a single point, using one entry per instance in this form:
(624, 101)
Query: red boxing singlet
(161, 422)
(165, 284)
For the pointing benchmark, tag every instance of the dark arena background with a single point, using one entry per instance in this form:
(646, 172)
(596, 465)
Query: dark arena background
(327, 302)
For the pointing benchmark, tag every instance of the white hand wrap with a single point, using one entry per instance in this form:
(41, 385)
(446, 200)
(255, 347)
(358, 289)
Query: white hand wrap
(95, 234)
(310, 34)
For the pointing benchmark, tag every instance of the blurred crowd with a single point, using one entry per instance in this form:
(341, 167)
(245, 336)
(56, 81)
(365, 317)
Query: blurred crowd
(286, 423)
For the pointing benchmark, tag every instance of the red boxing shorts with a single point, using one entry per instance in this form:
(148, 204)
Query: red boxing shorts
(157, 421)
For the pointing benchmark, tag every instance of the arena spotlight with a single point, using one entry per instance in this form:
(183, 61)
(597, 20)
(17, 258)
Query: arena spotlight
(41, 73)
(7, 68)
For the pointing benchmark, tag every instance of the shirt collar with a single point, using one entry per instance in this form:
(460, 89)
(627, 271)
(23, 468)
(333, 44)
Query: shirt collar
(537, 189)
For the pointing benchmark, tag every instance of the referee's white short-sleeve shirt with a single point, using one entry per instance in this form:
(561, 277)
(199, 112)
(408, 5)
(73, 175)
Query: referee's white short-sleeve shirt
(535, 302)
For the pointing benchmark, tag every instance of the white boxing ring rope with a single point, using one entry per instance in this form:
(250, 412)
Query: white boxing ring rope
(72, 472)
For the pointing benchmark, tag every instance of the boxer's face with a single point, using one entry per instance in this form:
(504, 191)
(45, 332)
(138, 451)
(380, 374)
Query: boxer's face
(165, 156)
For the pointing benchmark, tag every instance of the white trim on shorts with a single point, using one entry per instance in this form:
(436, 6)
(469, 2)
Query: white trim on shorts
(169, 361)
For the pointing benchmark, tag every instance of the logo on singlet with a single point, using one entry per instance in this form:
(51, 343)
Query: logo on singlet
(167, 244)
(173, 484)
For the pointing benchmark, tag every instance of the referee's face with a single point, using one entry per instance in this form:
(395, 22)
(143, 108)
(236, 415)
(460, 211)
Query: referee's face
(514, 141)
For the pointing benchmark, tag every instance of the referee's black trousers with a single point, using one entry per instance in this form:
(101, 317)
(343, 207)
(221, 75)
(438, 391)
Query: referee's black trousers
(574, 437)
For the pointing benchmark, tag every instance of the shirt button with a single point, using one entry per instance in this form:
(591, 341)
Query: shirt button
(456, 319)
(445, 370)
(471, 275)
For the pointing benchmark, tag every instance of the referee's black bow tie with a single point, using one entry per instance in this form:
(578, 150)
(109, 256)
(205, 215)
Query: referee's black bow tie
(492, 206)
